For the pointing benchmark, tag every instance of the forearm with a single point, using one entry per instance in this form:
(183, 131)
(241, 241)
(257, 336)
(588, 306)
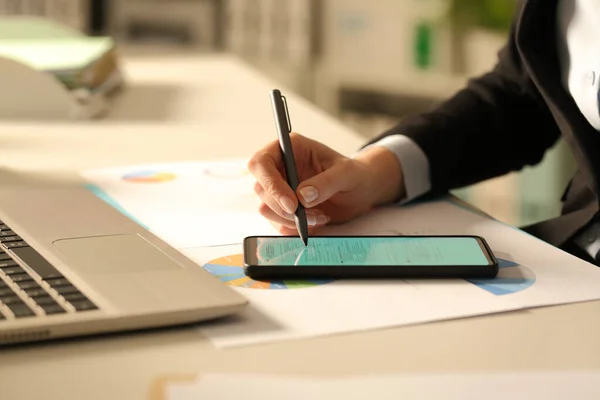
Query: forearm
(488, 129)
(497, 124)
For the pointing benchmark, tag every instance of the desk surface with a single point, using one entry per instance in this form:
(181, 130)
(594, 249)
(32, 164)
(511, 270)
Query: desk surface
(213, 107)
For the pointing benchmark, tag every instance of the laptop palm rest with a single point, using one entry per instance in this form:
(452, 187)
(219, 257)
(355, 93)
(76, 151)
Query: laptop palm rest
(130, 272)
(114, 254)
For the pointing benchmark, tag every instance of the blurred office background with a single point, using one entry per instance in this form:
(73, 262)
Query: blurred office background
(368, 63)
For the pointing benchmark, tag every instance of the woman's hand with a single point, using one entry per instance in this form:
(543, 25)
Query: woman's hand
(333, 188)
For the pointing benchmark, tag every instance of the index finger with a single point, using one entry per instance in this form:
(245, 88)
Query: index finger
(265, 166)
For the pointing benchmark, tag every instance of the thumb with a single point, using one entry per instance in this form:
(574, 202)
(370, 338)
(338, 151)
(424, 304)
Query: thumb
(323, 186)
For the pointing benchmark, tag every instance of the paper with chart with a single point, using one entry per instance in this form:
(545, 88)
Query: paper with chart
(530, 385)
(185, 204)
(532, 273)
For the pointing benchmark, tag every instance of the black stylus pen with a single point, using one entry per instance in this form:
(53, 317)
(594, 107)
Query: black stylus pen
(284, 128)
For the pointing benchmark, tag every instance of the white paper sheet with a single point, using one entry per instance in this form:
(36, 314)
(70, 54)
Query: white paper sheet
(526, 385)
(532, 273)
(344, 306)
(186, 204)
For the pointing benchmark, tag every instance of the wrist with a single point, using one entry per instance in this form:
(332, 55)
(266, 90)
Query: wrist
(385, 183)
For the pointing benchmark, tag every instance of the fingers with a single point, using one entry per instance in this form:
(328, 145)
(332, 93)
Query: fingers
(313, 217)
(286, 231)
(322, 187)
(272, 204)
(265, 166)
(278, 199)
(266, 211)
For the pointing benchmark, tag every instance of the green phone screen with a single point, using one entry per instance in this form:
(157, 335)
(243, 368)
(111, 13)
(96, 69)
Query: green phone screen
(392, 250)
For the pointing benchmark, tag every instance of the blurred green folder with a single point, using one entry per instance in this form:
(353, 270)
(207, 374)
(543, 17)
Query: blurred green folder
(77, 60)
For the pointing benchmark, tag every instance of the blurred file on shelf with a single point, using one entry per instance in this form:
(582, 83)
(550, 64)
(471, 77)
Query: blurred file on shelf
(33, 49)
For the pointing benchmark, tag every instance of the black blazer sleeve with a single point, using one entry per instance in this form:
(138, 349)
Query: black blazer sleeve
(497, 124)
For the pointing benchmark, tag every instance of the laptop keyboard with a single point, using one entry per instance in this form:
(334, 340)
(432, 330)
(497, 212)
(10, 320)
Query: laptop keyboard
(39, 289)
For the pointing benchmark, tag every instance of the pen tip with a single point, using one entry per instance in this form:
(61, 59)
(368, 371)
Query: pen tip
(305, 240)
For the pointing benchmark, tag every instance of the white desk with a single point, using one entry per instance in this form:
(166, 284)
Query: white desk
(214, 107)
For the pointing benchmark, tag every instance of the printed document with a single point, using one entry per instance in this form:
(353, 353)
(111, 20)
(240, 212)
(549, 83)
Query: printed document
(205, 209)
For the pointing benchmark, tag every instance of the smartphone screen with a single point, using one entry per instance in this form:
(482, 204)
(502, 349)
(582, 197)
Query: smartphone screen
(368, 250)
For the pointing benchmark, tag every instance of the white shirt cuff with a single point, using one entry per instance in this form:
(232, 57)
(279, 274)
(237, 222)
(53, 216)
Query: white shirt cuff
(414, 162)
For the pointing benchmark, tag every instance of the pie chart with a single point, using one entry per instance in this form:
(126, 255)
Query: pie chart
(230, 269)
(512, 278)
(149, 177)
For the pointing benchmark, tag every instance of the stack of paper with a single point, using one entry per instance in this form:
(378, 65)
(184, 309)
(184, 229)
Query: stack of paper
(580, 385)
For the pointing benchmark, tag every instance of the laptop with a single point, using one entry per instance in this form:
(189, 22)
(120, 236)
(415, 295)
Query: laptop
(72, 265)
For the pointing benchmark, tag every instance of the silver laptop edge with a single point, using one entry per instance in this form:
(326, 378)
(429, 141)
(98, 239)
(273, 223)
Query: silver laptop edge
(130, 278)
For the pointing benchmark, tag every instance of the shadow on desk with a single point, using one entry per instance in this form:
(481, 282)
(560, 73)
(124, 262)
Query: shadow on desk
(185, 336)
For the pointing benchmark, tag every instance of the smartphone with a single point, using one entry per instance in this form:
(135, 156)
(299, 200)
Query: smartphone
(340, 257)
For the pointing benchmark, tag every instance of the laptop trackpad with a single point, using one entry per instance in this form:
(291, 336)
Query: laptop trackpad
(128, 253)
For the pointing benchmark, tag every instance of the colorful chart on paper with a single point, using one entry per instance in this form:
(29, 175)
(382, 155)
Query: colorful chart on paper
(230, 269)
(149, 177)
(511, 278)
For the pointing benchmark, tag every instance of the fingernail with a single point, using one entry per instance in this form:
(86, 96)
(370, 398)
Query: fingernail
(309, 194)
(287, 204)
(322, 219)
(311, 219)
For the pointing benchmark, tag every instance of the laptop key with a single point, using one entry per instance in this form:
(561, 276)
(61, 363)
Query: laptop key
(7, 233)
(4, 256)
(7, 263)
(43, 300)
(62, 290)
(20, 278)
(51, 309)
(21, 310)
(6, 291)
(74, 296)
(12, 270)
(11, 299)
(6, 239)
(14, 245)
(35, 261)
(37, 292)
(57, 282)
(83, 305)
(28, 285)
(3, 227)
